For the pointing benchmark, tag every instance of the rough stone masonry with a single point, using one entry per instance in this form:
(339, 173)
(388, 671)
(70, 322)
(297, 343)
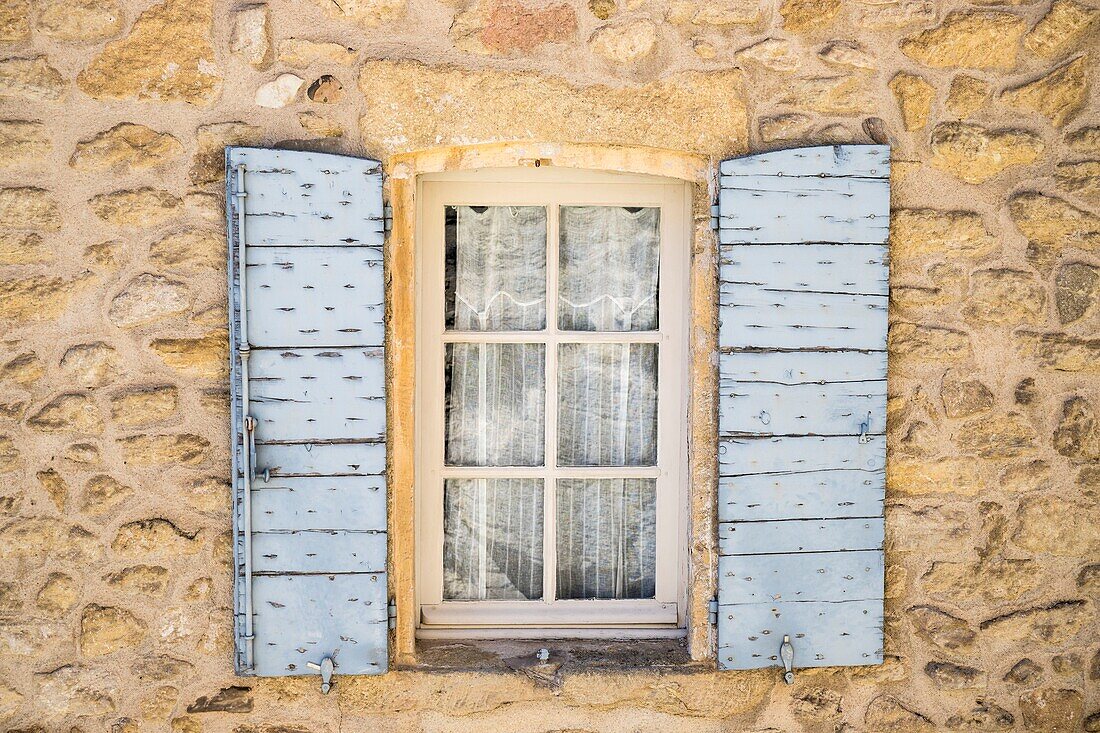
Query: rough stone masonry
(115, 587)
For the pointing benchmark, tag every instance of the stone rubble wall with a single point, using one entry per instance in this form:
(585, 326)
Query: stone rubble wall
(115, 590)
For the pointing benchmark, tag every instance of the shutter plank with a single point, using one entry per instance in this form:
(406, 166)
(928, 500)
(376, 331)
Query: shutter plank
(336, 394)
(313, 277)
(305, 618)
(351, 502)
(802, 405)
(826, 576)
(823, 634)
(315, 296)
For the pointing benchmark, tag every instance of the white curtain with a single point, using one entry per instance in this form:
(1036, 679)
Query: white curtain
(495, 398)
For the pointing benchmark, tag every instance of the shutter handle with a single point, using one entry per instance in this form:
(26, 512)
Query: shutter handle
(326, 668)
(786, 653)
(250, 428)
(864, 428)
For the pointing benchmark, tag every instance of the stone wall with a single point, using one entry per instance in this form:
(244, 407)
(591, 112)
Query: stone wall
(115, 588)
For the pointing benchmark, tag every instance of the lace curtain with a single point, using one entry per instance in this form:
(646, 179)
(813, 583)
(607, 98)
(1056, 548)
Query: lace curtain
(496, 395)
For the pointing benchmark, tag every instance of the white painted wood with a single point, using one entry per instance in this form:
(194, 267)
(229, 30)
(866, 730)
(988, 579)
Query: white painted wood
(305, 618)
(800, 535)
(299, 198)
(824, 161)
(348, 502)
(802, 367)
(315, 296)
(817, 494)
(321, 459)
(318, 551)
(756, 317)
(803, 409)
(299, 394)
(823, 576)
(802, 405)
(826, 268)
(799, 454)
(823, 634)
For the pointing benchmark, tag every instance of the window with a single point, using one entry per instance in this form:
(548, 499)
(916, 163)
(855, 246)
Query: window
(550, 403)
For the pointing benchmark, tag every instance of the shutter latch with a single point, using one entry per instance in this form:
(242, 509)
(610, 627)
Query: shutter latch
(864, 429)
(327, 667)
(786, 653)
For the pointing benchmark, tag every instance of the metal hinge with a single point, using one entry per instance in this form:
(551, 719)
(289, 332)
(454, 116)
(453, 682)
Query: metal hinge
(712, 611)
(714, 217)
(387, 217)
(391, 610)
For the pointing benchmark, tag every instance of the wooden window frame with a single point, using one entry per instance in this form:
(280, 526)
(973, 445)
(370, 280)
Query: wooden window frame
(663, 616)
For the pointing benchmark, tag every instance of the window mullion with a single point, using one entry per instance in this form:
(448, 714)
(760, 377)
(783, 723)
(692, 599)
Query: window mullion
(550, 512)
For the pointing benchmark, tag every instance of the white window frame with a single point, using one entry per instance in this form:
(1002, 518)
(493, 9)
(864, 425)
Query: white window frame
(666, 614)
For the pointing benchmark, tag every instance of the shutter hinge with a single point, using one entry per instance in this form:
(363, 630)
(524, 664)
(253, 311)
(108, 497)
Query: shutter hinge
(387, 217)
(786, 653)
(391, 610)
(714, 217)
(712, 611)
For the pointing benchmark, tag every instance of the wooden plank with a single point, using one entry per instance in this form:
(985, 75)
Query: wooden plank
(827, 268)
(328, 502)
(799, 454)
(301, 198)
(800, 536)
(802, 367)
(813, 495)
(803, 409)
(321, 459)
(822, 161)
(790, 217)
(304, 618)
(823, 634)
(315, 296)
(825, 576)
(302, 394)
(759, 318)
(318, 551)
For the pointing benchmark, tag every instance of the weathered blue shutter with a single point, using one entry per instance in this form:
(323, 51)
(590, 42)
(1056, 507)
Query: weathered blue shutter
(309, 411)
(802, 451)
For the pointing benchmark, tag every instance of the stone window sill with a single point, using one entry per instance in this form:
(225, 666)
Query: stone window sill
(520, 656)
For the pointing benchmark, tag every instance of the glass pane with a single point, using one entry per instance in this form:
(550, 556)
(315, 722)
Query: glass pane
(495, 404)
(607, 538)
(608, 258)
(607, 405)
(492, 539)
(496, 268)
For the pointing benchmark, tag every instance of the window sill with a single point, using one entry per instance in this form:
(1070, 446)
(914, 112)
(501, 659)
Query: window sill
(510, 656)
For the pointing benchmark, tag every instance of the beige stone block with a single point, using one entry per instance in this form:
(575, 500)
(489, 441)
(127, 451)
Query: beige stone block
(998, 436)
(928, 343)
(90, 365)
(316, 124)
(1053, 225)
(29, 208)
(15, 21)
(149, 580)
(23, 142)
(1077, 435)
(1058, 96)
(210, 494)
(107, 255)
(251, 39)
(975, 154)
(830, 95)
(1066, 23)
(1085, 141)
(368, 13)
(23, 248)
(805, 16)
(102, 494)
(104, 630)
(1076, 291)
(206, 356)
(147, 299)
(983, 39)
(59, 593)
(159, 704)
(1005, 298)
(139, 207)
(966, 583)
(126, 148)
(1058, 527)
(301, 53)
(80, 20)
(168, 56)
(626, 43)
(144, 405)
(39, 298)
(55, 487)
(154, 537)
(30, 80)
(68, 413)
(923, 477)
(967, 95)
(777, 54)
(848, 53)
(722, 13)
(938, 627)
(962, 396)
(164, 450)
(1054, 623)
(1080, 178)
(915, 97)
(878, 15)
(9, 454)
(509, 28)
(783, 127)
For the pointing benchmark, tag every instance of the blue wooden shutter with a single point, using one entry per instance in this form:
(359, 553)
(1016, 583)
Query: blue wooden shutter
(802, 409)
(309, 411)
